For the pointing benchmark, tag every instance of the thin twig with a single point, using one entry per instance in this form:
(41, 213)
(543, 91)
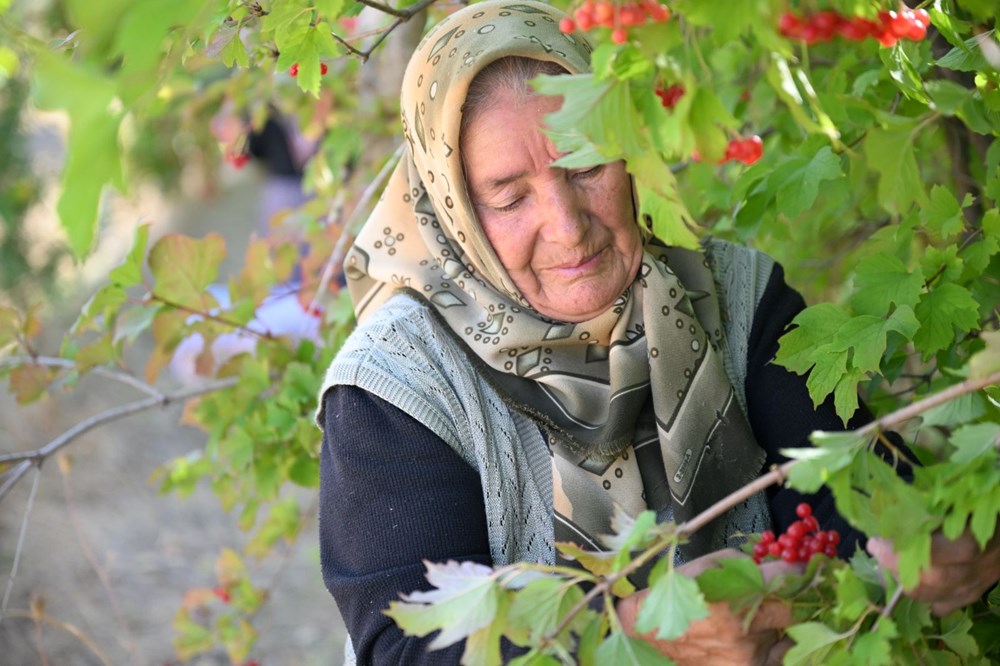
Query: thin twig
(102, 574)
(20, 542)
(243, 328)
(889, 607)
(348, 230)
(39, 455)
(402, 16)
(65, 626)
(56, 362)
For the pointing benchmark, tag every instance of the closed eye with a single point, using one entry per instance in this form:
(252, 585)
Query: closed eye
(508, 208)
(583, 174)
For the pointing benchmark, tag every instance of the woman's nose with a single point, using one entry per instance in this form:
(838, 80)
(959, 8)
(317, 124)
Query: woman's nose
(565, 216)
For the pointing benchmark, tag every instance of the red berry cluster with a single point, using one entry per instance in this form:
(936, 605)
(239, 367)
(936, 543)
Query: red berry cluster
(823, 26)
(293, 71)
(618, 17)
(801, 541)
(670, 95)
(747, 150)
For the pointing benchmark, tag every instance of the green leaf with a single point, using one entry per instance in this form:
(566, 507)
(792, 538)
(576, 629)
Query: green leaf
(813, 642)
(539, 607)
(962, 409)
(184, 267)
(874, 648)
(890, 153)
(968, 59)
(621, 650)
(941, 311)
(798, 192)
(813, 326)
(955, 633)
(865, 336)
(92, 158)
(881, 280)
(947, 96)
(942, 215)
(465, 599)
(833, 452)
(594, 111)
(673, 603)
(984, 516)
(737, 579)
(903, 73)
(235, 53)
(305, 46)
(129, 272)
(852, 596)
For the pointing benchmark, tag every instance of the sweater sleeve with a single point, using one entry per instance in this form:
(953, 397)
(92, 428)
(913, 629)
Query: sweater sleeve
(392, 494)
(781, 413)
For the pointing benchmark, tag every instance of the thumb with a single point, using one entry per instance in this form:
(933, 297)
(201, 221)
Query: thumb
(881, 550)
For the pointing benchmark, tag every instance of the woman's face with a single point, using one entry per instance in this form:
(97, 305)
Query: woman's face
(568, 239)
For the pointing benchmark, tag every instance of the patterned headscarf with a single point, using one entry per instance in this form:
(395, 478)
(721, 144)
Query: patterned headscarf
(646, 371)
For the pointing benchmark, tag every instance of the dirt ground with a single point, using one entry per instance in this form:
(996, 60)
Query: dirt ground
(151, 547)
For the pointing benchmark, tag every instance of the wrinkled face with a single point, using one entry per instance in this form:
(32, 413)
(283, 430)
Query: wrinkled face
(568, 239)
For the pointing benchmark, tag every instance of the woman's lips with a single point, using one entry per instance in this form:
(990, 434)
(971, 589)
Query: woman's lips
(584, 267)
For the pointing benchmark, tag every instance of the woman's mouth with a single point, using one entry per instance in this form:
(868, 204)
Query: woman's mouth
(585, 266)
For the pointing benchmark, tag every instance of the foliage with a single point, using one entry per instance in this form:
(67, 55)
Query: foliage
(877, 190)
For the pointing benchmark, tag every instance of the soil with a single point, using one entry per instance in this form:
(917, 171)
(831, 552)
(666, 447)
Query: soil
(150, 548)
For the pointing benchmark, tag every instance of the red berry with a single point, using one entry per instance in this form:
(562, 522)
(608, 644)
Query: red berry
(899, 23)
(604, 13)
(856, 30)
(916, 32)
(759, 550)
(789, 555)
(323, 69)
(238, 160)
(619, 36)
(753, 150)
(826, 24)
(566, 25)
(766, 537)
(293, 71)
(796, 530)
(833, 537)
(222, 593)
(830, 551)
(774, 549)
(787, 541)
(922, 17)
(803, 510)
(811, 523)
(790, 25)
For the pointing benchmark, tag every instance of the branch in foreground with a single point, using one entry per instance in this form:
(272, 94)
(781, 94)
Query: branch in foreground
(775, 476)
(38, 456)
(402, 16)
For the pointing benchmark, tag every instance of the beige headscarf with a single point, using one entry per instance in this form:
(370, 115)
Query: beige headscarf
(643, 371)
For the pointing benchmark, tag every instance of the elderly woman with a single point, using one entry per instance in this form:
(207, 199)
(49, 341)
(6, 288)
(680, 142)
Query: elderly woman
(528, 356)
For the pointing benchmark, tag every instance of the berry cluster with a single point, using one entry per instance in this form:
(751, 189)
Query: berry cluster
(801, 541)
(670, 95)
(747, 150)
(823, 26)
(293, 71)
(617, 17)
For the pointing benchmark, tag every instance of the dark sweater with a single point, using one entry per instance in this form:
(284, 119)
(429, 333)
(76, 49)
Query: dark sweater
(393, 494)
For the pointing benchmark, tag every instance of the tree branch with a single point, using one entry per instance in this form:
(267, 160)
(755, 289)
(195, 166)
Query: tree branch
(57, 362)
(20, 542)
(776, 475)
(402, 16)
(38, 456)
(348, 231)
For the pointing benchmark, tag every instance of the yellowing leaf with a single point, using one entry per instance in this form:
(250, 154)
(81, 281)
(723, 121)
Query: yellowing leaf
(184, 267)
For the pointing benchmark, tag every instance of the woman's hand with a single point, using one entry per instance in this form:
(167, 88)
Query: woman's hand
(959, 571)
(720, 639)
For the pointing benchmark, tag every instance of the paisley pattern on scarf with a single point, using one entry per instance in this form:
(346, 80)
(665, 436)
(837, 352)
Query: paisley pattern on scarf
(645, 374)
